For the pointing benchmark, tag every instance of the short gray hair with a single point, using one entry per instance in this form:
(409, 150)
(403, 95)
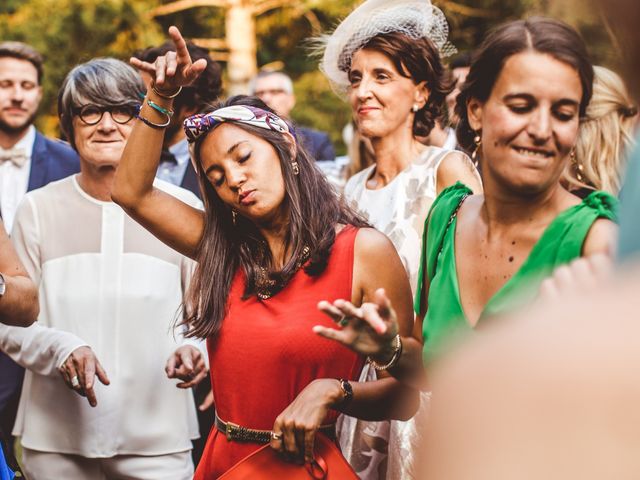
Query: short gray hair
(103, 82)
(286, 79)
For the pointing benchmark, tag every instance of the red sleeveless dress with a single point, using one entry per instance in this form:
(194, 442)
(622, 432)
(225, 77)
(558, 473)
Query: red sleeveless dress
(266, 353)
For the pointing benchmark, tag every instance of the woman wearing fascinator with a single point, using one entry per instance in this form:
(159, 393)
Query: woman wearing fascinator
(385, 58)
(272, 242)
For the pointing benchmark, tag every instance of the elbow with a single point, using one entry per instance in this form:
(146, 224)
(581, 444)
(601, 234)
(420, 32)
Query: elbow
(27, 313)
(408, 407)
(122, 197)
(126, 194)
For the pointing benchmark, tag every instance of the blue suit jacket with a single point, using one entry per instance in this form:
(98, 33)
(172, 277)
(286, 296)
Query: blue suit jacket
(318, 144)
(50, 160)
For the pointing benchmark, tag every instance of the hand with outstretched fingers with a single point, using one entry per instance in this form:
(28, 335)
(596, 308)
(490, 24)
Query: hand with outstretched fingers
(79, 371)
(174, 69)
(368, 330)
(187, 364)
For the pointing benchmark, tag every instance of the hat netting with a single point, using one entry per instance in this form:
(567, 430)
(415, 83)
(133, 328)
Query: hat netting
(414, 18)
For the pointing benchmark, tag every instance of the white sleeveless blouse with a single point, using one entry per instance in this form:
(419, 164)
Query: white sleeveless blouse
(400, 208)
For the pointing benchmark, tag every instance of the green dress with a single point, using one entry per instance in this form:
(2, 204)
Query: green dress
(560, 243)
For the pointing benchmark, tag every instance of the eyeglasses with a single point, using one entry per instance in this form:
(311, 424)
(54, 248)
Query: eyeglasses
(92, 114)
(272, 92)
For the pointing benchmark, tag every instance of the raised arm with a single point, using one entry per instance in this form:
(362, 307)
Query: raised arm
(19, 303)
(174, 222)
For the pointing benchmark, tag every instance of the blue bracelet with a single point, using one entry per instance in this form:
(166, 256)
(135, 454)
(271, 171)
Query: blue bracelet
(158, 108)
(149, 123)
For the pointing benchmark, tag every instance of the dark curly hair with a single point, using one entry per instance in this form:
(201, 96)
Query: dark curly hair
(537, 34)
(420, 61)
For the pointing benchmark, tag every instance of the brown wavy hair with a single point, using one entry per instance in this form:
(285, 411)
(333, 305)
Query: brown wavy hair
(420, 61)
(314, 212)
(537, 34)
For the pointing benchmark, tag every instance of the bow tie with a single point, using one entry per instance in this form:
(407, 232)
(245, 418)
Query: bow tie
(167, 157)
(17, 156)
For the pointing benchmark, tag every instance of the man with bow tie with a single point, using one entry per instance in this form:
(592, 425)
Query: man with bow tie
(28, 161)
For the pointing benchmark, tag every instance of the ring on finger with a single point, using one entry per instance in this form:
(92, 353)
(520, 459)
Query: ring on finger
(74, 381)
(343, 322)
(276, 436)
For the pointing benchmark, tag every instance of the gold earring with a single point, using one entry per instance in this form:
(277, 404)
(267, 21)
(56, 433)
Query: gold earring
(478, 142)
(296, 170)
(577, 166)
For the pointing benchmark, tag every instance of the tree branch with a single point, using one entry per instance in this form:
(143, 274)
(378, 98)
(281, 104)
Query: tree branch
(185, 5)
(266, 5)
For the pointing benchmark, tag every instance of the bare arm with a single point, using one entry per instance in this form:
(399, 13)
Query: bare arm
(457, 167)
(175, 223)
(19, 304)
(601, 239)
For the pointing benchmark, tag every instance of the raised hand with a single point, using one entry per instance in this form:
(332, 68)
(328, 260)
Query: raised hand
(186, 364)
(173, 70)
(367, 330)
(79, 371)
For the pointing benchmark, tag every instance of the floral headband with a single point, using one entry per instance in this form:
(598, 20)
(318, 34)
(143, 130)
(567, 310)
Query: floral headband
(200, 124)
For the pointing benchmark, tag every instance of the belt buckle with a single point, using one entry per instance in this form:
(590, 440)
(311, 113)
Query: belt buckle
(230, 430)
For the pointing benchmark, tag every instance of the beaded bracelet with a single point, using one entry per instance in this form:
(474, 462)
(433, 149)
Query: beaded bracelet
(149, 123)
(397, 351)
(168, 112)
(162, 95)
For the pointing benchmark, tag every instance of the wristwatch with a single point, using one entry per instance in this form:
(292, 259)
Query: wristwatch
(3, 285)
(347, 392)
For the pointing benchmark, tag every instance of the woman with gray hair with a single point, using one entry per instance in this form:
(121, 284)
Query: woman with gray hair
(108, 290)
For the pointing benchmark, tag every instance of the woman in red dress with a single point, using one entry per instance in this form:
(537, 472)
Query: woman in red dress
(273, 241)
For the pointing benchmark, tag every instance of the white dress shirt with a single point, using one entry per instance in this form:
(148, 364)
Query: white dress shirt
(105, 282)
(14, 180)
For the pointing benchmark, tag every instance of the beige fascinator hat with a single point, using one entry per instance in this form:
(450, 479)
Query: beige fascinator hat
(414, 18)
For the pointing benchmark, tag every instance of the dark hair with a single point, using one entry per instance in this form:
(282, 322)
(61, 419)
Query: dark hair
(420, 61)
(315, 210)
(208, 86)
(537, 34)
(22, 51)
(461, 60)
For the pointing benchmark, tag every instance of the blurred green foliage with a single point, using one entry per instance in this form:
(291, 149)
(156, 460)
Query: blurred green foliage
(71, 31)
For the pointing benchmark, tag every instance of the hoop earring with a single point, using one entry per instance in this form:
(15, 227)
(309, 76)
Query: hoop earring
(477, 140)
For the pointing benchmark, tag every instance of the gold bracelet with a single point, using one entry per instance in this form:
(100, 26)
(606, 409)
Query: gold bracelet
(397, 351)
(162, 95)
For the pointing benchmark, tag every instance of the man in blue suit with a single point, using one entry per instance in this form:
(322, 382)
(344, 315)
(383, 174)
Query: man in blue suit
(28, 161)
(276, 90)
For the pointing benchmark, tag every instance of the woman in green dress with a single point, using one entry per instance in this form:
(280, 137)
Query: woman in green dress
(487, 254)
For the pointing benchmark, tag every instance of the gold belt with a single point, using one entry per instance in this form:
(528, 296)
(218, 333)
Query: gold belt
(238, 433)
